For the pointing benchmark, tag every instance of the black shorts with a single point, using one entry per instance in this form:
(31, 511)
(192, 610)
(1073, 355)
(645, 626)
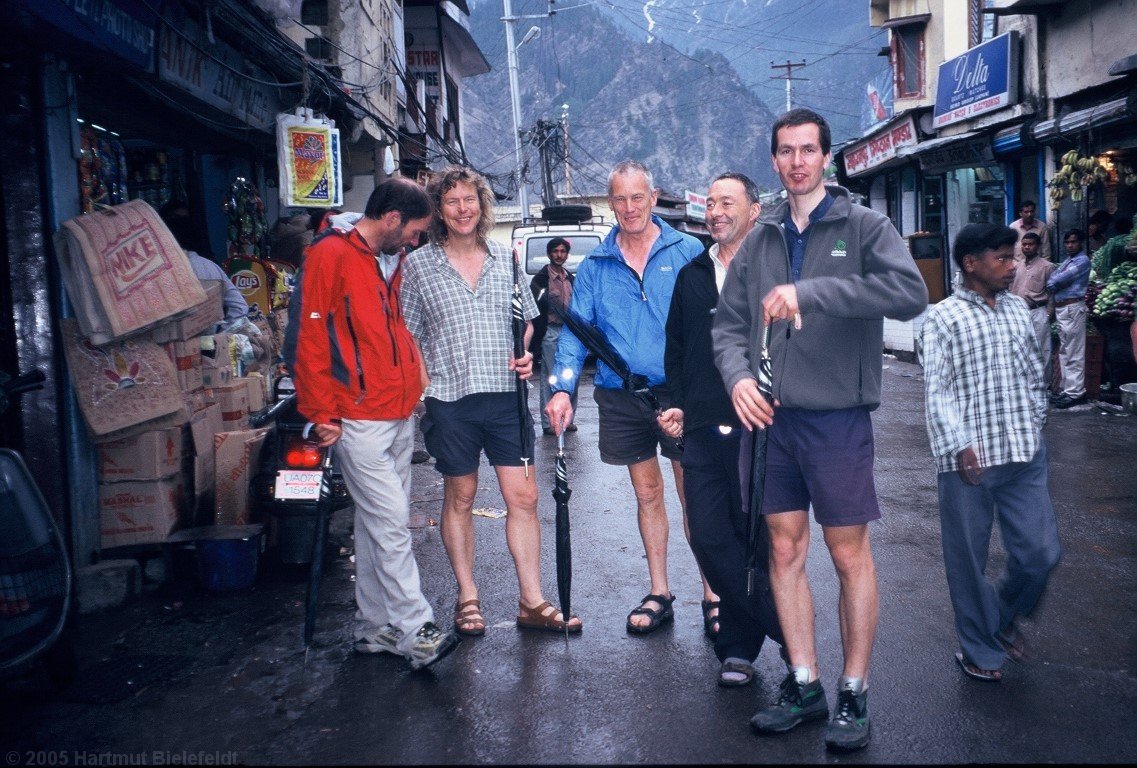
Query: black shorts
(629, 432)
(456, 433)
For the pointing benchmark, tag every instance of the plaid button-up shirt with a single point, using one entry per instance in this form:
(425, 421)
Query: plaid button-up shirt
(465, 334)
(983, 380)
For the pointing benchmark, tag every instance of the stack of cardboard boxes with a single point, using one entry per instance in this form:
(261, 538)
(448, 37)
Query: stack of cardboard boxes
(153, 483)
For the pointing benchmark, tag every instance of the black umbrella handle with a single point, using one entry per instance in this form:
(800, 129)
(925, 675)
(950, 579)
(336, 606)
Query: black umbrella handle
(517, 324)
(319, 542)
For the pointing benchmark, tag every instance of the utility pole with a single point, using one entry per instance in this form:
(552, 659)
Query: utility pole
(564, 125)
(515, 98)
(546, 139)
(789, 66)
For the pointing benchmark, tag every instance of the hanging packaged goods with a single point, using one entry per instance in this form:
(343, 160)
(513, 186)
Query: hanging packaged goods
(308, 154)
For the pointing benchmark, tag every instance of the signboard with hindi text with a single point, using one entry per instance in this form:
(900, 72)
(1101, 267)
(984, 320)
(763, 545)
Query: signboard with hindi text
(696, 205)
(881, 146)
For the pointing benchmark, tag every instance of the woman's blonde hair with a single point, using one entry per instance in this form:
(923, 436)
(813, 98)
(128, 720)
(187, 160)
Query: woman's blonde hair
(446, 180)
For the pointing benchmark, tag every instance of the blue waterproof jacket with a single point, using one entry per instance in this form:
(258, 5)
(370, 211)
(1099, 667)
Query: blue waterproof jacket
(631, 312)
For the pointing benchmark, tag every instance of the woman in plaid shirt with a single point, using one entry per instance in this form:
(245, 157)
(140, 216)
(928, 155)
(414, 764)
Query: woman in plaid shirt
(986, 405)
(456, 302)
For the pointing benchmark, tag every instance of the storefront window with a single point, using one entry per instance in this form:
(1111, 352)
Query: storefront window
(982, 194)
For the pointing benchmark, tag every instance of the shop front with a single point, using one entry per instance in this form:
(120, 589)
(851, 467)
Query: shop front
(112, 102)
(1093, 187)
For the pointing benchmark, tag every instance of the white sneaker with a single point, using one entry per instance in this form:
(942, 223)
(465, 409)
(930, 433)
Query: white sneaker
(430, 645)
(385, 641)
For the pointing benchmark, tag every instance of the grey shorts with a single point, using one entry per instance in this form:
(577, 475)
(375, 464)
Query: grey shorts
(629, 432)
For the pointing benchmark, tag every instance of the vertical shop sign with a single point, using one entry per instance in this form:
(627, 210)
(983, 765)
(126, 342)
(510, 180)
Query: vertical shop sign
(309, 161)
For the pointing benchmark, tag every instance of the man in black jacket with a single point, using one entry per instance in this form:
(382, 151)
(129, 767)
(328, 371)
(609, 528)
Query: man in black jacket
(713, 437)
(552, 281)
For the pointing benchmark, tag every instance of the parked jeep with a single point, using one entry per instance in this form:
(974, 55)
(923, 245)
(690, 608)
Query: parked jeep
(574, 223)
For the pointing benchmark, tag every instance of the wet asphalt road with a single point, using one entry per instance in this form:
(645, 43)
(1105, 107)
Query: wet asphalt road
(243, 689)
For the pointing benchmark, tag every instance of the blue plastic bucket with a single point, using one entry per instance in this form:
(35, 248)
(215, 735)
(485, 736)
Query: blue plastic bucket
(227, 556)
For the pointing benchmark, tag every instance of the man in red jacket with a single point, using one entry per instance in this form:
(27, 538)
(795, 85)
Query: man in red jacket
(358, 376)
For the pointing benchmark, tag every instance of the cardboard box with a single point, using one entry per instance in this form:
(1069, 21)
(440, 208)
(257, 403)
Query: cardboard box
(234, 402)
(148, 456)
(216, 368)
(186, 356)
(237, 459)
(194, 401)
(203, 425)
(140, 512)
(254, 390)
(202, 318)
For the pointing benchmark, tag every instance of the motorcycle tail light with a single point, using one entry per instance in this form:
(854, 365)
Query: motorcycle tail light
(300, 454)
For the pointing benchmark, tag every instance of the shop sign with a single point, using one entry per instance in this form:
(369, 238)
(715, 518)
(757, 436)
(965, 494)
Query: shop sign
(974, 153)
(696, 206)
(880, 147)
(125, 28)
(982, 80)
(217, 74)
(425, 64)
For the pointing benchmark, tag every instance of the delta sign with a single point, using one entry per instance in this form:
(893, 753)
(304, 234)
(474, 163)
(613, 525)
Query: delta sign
(984, 79)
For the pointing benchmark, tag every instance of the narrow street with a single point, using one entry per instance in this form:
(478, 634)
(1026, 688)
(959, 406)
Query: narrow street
(184, 676)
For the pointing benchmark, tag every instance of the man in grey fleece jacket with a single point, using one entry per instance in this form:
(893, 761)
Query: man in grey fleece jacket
(824, 273)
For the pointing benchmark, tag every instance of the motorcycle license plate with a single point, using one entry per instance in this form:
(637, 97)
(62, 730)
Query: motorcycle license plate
(300, 484)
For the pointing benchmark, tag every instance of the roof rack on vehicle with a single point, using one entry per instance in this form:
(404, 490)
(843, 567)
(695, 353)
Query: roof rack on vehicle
(566, 214)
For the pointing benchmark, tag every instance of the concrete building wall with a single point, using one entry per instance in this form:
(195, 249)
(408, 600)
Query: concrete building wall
(1083, 40)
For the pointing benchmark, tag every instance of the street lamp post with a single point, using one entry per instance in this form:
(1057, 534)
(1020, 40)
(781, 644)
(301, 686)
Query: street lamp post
(515, 98)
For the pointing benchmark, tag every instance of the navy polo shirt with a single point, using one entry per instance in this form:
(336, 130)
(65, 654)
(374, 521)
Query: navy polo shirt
(796, 241)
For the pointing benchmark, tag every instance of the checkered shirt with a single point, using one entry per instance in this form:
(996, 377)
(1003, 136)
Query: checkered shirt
(983, 380)
(465, 335)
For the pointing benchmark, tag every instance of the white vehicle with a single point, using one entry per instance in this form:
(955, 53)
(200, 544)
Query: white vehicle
(574, 223)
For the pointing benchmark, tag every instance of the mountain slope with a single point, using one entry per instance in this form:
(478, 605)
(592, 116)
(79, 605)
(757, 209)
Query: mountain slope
(686, 118)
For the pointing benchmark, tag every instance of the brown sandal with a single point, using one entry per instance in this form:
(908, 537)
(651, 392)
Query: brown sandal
(468, 619)
(545, 617)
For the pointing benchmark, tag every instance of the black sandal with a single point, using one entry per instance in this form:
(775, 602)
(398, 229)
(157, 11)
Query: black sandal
(710, 628)
(735, 666)
(656, 618)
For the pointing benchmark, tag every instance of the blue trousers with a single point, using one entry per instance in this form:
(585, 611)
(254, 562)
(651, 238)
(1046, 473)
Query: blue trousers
(548, 355)
(718, 524)
(1017, 495)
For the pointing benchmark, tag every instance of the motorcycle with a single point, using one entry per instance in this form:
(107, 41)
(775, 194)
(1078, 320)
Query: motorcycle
(286, 489)
(36, 582)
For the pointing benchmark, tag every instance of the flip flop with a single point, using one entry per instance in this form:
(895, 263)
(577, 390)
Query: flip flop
(1013, 644)
(975, 673)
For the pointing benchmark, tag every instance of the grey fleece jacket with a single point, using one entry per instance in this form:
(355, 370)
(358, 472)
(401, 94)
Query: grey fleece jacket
(856, 271)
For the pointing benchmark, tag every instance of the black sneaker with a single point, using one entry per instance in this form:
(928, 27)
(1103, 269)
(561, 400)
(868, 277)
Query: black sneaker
(796, 704)
(850, 726)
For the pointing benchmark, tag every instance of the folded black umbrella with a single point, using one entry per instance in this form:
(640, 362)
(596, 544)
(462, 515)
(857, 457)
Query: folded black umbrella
(755, 552)
(597, 343)
(561, 493)
(517, 323)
